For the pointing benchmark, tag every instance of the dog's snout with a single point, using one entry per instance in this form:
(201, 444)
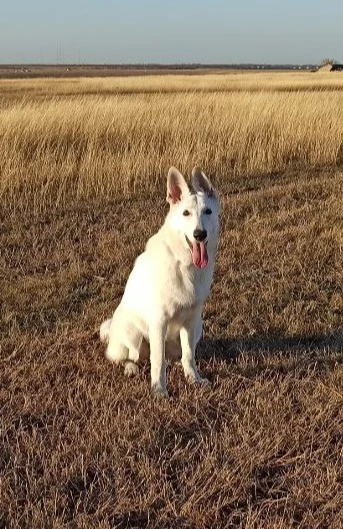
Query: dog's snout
(200, 235)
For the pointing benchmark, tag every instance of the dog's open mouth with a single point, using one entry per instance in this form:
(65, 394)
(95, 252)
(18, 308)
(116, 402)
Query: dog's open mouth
(199, 252)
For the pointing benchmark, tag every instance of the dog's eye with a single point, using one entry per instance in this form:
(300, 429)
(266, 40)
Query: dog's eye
(208, 211)
(186, 213)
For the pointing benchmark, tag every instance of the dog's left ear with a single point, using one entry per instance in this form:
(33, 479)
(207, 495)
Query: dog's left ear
(200, 182)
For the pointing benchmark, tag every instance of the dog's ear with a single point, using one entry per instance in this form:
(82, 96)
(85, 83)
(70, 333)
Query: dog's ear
(176, 186)
(200, 182)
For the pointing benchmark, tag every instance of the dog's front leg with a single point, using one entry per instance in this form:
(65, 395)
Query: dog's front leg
(157, 335)
(188, 343)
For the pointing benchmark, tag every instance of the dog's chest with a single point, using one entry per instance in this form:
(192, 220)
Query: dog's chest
(187, 287)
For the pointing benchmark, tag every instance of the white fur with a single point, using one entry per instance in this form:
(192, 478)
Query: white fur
(159, 315)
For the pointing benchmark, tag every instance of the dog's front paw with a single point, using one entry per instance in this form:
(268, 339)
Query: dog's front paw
(159, 391)
(194, 378)
(199, 381)
(203, 381)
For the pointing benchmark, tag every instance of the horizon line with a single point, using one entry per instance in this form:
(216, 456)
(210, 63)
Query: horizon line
(159, 64)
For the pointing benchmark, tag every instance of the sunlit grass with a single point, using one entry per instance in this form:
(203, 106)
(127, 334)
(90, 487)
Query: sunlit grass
(80, 137)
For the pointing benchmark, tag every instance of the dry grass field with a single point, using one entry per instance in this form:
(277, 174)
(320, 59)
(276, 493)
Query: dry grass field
(66, 139)
(83, 166)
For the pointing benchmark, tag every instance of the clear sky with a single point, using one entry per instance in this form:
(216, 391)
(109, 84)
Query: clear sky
(170, 31)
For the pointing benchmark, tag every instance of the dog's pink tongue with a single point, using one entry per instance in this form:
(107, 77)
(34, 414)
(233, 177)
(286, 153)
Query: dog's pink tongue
(199, 254)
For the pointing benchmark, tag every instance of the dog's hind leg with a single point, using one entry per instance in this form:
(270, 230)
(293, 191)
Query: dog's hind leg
(120, 354)
(105, 330)
(130, 368)
(139, 350)
(116, 351)
(121, 336)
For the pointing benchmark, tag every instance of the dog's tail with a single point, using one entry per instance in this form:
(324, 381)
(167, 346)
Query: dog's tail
(105, 330)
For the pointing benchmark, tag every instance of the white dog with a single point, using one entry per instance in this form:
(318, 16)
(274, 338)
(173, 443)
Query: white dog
(160, 312)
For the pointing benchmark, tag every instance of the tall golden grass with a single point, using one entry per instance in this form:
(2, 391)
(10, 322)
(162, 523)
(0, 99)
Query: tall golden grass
(80, 137)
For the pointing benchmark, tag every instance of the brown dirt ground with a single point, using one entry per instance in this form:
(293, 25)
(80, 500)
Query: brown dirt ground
(84, 447)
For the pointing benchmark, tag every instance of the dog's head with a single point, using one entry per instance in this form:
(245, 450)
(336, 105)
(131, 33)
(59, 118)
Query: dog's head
(194, 213)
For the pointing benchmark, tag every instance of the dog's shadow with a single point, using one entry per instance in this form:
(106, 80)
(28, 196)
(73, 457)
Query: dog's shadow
(320, 352)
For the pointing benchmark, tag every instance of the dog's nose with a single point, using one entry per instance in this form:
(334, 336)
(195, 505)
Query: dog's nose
(200, 235)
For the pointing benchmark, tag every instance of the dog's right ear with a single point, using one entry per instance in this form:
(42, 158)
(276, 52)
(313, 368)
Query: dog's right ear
(201, 182)
(177, 186)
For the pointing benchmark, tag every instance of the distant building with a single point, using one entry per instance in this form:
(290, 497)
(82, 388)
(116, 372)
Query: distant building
(330, 67)
(336, 68)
